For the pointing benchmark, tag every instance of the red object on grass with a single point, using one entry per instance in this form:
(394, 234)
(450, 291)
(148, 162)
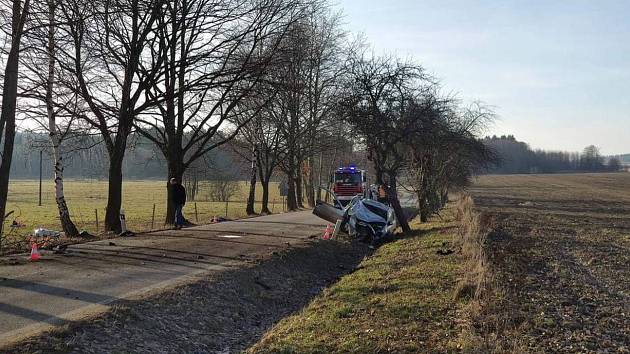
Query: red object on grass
(35, 255)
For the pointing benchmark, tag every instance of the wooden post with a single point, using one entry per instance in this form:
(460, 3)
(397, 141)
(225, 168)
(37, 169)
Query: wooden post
(196, 215)
(96, 214)
(153, 217)
(40, 178)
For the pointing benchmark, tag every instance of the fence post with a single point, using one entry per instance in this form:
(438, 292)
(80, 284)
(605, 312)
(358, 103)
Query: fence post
(153, 217)
(196, 215)
(96, 214)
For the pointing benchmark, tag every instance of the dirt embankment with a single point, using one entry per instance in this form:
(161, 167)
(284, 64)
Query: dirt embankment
(224, 313)
(560, 266)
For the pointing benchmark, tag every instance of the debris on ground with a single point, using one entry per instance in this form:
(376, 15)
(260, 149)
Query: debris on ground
(60, 249)
(444, 252)
(218, 219)
(85, 234)
(17, 224)
(42, 233)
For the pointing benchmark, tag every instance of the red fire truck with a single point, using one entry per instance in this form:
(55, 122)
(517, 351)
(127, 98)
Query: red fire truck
(347, 183)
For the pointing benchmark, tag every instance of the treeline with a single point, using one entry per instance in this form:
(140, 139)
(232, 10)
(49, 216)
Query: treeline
(517, 157)
(87, 159)
(139, 88)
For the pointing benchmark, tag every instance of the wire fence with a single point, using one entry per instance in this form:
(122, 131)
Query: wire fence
(144, 218)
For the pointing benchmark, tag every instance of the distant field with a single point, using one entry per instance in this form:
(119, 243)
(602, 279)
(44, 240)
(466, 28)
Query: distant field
(611, 187)
(560, 257)
(86, 196)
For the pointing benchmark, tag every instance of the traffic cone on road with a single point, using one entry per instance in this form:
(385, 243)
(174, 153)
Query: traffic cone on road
(328, 233)
(34, 253)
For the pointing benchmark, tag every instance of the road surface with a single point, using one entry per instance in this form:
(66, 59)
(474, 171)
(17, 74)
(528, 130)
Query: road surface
(37, 296)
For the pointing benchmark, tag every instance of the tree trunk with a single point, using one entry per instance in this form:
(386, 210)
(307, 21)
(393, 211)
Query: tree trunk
(319, 176)
(265, 197)
(392, 195)
(298, 188)
(5, 169)
(114, 193)
(9, 102)
(64, 213)
(67, 225)
(422, 206)
(331, 168)
(251, 198)
(291, 193)
(310, 186)
(264, 173)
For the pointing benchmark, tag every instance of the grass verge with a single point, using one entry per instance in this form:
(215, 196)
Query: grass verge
(401, 299)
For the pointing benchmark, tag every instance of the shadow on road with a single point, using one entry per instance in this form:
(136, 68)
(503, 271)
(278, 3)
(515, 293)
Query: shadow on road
(226, 312)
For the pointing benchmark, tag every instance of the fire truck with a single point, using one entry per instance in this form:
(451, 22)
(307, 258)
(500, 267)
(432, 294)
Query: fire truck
(347, 183)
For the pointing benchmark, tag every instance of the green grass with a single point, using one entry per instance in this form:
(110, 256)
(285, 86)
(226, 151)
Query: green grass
(399, 300)
(86, 196)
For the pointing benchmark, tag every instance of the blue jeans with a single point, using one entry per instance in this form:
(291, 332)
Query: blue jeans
(179, 217)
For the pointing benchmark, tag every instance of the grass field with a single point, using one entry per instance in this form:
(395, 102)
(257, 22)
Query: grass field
(399, 300)
(560, 257)
(86, 196)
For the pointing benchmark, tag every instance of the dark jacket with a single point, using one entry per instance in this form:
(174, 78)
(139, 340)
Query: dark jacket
(179, 194)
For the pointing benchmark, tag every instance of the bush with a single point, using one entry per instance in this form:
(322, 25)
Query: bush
(222, 190)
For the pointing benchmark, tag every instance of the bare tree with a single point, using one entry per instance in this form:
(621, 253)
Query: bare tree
(591, 159)
(614, 165)
(108, 44)
(324, 68)
(446, 153)
(50, 105)
(259, 144)
(211, 55)
(18, 11)
(376, 102)
(308, 76)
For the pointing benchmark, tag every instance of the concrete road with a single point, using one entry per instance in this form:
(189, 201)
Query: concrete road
(37, 296)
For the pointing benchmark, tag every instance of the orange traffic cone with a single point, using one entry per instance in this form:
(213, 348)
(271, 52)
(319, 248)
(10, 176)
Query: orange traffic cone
(328, 233)
(34, 253)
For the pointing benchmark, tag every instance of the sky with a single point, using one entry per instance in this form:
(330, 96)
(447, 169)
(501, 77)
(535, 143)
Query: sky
(557, 72)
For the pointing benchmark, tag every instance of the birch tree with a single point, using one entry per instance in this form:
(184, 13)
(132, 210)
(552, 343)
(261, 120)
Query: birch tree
(48, 104)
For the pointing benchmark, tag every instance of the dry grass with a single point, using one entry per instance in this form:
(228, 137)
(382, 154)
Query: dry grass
(472, 238)
(399, 300)
(86, 198)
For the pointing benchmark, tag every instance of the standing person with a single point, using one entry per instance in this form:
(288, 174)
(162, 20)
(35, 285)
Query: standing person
(178, 198)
